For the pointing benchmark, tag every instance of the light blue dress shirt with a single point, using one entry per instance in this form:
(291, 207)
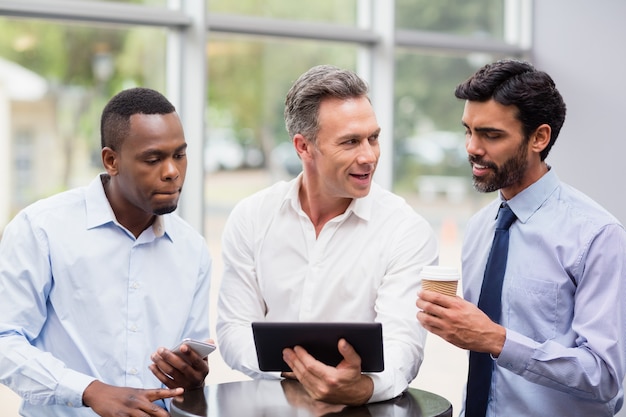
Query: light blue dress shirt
(82, 299)
(563, 303)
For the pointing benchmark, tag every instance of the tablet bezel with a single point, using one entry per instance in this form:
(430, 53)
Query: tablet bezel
(320, 340)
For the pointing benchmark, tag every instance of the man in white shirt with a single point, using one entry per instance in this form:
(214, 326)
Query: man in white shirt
(94, 279)
(330, 245)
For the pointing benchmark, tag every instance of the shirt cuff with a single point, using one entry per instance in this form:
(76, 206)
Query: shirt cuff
(72, 385)
(516, 352)
(385, 387)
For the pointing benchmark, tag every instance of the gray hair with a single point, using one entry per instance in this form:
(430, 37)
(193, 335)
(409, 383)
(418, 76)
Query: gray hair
(305, 95)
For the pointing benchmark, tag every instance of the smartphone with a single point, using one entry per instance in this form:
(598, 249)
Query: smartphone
(201, 348)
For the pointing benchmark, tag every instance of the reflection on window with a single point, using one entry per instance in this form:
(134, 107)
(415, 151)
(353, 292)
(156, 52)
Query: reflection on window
(54, 82)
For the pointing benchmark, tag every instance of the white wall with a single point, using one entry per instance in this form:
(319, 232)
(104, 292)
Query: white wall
(580, 43)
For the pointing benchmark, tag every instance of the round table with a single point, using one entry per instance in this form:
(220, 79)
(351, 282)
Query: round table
(287, 398)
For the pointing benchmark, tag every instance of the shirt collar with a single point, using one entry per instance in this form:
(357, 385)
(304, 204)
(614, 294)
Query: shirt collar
(99, 211)
(528, 201)
(361, 207)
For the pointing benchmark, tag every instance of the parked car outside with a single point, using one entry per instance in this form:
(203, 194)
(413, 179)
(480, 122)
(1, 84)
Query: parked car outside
(222, 151)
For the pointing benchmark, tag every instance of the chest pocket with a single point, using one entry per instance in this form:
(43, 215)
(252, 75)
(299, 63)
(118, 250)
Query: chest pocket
(531, 308)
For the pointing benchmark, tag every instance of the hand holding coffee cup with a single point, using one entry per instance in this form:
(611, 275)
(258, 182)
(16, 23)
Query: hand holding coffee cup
(442, 279)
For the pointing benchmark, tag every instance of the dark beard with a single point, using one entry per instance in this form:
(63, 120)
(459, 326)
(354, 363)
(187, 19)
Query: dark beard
(511, 172)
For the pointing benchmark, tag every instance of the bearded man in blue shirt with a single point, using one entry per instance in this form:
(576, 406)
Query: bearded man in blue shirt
(557, 347)
(93, 280)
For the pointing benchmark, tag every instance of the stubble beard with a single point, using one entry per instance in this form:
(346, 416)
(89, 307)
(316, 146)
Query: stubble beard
(506, 175)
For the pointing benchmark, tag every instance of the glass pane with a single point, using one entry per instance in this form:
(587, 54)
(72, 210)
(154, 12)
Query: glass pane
(247, 146)
(431, 170)
(54, 82)
(328, 11)
(476, 18)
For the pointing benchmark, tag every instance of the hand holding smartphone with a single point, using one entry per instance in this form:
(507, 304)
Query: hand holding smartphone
(201, 348)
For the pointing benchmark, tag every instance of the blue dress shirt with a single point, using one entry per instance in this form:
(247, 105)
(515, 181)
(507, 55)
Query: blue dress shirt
(563, 303)
(82, 299)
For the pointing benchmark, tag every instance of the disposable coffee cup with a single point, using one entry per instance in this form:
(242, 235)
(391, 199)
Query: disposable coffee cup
(442, 279)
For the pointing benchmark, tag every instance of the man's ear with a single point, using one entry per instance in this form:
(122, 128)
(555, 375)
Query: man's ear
(109, 160)
(302, 146)
(541, 138)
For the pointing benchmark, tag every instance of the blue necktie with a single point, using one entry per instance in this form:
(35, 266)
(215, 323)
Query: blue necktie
(490, 301)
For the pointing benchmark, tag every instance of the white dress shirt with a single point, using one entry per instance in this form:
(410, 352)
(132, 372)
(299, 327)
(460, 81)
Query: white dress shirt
(82, 299)
(363, 267)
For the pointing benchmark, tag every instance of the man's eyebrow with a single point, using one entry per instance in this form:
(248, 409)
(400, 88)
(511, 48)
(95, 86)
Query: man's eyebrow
(159, 152)
(357, 136)
(489, 130)
(484, 129)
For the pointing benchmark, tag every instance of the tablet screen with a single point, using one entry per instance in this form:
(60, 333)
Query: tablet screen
(320, 341)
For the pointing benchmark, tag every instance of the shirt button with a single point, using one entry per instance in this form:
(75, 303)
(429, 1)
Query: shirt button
(135, 285)
(133, 328)
(70, 404)
(133, 371)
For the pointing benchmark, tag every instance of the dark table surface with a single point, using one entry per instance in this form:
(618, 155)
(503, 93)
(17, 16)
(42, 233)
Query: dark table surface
(287, 398)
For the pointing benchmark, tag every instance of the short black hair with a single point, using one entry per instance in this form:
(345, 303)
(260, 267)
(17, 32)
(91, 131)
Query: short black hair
(517, 83)
(115, 121)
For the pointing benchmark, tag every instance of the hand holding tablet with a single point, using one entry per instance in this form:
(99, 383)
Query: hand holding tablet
(320, 341)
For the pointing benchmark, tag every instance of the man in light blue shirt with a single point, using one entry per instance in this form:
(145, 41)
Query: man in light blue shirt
(560, 346)
(93, 280)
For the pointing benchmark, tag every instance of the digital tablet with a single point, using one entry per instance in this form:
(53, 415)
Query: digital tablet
(320, 341)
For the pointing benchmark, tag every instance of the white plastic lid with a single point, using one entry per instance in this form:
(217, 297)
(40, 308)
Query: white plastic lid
(440, 273)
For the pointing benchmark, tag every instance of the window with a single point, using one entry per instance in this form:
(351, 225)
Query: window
(247, 146)
(58, 67)
(329, 11)
(55, 80)
(476, 18)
